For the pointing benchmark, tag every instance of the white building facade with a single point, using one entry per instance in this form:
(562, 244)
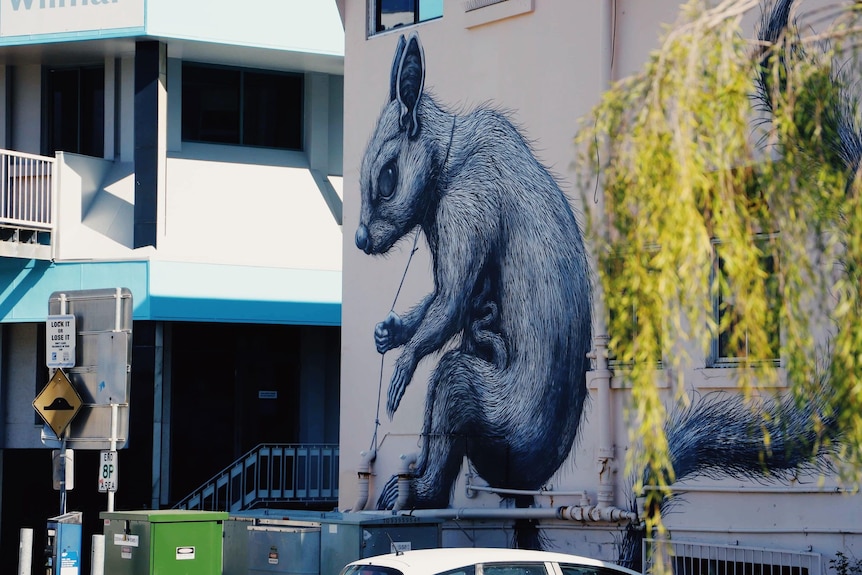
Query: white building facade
(190, 152)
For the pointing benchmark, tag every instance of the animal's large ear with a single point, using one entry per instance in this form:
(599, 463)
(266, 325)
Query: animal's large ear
(396, 64)
(409, 83)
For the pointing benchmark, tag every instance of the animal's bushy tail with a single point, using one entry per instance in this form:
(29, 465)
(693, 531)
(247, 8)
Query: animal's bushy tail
(825, 121)
(723, 435)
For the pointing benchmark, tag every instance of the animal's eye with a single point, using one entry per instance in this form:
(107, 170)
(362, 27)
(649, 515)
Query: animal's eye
(387, 180)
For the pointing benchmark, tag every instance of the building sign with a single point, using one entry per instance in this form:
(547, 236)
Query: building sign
(33, 17)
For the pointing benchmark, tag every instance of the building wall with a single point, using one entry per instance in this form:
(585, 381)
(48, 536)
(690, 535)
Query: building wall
(544, 65)
(230, 205)
(307, 26)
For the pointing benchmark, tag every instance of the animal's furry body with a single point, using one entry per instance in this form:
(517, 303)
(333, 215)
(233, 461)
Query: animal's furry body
(511, 289)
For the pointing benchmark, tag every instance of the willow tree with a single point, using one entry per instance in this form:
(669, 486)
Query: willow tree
(728, 170)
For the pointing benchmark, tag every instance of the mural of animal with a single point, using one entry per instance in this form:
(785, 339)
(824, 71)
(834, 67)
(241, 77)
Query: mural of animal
(511, 299)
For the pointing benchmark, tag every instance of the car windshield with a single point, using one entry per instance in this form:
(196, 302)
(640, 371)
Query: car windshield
(369, 570)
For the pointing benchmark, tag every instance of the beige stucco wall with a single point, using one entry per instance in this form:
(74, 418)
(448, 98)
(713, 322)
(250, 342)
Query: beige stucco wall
(547, 66)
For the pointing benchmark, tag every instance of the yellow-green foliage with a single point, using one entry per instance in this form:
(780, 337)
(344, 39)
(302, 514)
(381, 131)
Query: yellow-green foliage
(684, 157)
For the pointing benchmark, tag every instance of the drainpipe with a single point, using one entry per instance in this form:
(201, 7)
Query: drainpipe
(605, 451)
(405, 475)
(363, 473)
(601, 374)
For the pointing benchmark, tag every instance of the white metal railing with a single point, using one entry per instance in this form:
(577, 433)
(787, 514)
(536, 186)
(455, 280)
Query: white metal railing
(25, 190)
(691, 558)
(295, 473)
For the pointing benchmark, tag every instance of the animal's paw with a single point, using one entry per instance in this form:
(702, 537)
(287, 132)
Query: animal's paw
(389, 495)
(387, 333)
(404, 368)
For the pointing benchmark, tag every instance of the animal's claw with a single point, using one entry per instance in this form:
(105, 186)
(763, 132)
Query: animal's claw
(388, 332)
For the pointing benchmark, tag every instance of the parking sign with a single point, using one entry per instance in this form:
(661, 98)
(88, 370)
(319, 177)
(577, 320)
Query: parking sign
(108, 471)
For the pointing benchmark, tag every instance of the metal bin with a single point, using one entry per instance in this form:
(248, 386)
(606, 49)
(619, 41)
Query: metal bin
(163, 542)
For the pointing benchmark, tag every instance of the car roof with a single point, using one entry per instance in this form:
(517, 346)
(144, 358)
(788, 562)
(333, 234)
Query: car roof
(419, 561)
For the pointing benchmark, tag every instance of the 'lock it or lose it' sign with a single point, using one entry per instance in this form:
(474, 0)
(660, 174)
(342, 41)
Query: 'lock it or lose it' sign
(60, 341)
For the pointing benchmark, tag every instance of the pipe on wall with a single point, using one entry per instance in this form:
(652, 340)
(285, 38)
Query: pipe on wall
(605, 450)
(405, 476)
(580, 513)
(363, 473)
(471, 490)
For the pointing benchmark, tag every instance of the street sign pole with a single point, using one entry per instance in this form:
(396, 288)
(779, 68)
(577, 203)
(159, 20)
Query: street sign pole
(114, 413)
(63, 474)
(67, 363)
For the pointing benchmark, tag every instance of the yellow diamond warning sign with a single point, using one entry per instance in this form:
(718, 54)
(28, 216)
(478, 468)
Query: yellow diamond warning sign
(58, 403)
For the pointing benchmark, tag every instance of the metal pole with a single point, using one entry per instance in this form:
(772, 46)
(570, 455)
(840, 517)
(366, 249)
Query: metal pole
(97, 555)
(63, 439)
(25, 551)
(114, 417)
(63, 474)
(118, 310)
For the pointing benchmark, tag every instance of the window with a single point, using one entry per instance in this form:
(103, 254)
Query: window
(389, 14)
(569, 569)
(633, 325)
(370, 570)
(514, 569)
(725, 314)
(75, 111)
(242, 107)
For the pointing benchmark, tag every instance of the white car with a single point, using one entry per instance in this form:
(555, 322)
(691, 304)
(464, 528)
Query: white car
(479, 561)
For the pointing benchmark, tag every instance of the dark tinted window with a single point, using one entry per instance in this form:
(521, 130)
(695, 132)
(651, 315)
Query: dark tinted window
(468, 570)
(572, 569)
(578, 570)
(514, 569)
(242, 107)
(272, 110)
(369, 570)
(76, 111)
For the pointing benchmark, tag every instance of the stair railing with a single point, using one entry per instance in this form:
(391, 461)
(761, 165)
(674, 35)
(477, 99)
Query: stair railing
(271, 473)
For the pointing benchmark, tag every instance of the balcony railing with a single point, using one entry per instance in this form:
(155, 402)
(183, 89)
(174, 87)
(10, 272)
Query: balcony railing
(26, 182)
(271, 473)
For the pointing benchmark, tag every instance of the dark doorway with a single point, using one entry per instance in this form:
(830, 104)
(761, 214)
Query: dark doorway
(235, 386)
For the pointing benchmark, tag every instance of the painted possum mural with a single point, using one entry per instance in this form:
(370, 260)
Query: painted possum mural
(510, 308)
(510, 299)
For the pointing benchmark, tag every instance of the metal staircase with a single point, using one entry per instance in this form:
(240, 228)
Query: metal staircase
(271, 474)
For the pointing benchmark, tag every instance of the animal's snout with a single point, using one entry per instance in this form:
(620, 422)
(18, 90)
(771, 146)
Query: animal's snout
(362, 240)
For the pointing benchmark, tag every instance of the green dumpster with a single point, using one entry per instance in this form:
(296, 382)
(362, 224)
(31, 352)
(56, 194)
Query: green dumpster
(163, 542)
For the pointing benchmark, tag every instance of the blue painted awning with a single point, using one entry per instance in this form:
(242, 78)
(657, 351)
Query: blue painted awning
(174, 291)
